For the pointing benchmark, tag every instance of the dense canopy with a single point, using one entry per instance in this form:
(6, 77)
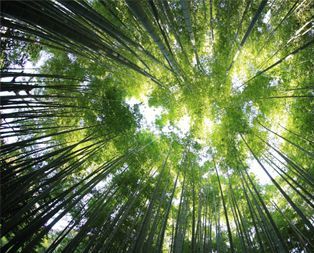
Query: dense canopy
(157, 126)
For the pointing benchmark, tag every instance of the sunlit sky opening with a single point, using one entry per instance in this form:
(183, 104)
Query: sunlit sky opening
(181, 127)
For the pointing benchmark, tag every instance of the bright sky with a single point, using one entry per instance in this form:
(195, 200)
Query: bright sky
(238, 80)
(150, 114)
(29, 68)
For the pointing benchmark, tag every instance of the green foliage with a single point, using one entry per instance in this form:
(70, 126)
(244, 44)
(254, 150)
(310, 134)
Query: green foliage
(157, 126)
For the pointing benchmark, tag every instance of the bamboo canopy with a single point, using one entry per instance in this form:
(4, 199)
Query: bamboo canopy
(157, 126)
